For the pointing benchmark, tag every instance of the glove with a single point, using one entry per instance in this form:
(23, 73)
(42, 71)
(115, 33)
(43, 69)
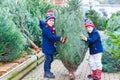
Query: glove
(63, 40)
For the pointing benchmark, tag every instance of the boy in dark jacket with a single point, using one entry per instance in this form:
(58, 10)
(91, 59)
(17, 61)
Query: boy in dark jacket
(49, 38)
(96, 50)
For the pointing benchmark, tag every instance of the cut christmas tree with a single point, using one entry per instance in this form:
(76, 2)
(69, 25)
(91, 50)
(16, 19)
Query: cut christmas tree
(69, 23)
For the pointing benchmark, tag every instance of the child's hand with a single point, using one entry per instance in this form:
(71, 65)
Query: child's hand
(83, 37)
(63, 40)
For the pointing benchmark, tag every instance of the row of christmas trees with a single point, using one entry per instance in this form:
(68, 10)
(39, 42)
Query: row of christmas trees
(19, 26)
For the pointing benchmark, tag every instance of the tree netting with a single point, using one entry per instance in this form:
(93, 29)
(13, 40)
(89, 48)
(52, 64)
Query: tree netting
(69, 23)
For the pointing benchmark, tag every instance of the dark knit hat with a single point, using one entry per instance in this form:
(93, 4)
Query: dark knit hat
(50, 15)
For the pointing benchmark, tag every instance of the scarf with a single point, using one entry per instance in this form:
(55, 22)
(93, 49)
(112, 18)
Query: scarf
(51, 28)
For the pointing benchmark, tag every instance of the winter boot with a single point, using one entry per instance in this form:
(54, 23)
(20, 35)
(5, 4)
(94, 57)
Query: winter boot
(92, 75)
(52, 73)
(98, 75)
(48, 74)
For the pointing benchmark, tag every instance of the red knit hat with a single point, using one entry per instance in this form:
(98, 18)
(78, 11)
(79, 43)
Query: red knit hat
(49, 15)
(89, 24)
(49, 12)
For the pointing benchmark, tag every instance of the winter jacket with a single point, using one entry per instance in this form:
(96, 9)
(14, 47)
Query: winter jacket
(48, 39)
(94, 41)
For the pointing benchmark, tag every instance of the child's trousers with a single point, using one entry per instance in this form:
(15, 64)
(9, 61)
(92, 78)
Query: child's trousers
(47, 62)
(95, 61)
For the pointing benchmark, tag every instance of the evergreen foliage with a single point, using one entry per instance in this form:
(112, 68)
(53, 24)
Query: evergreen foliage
(26, 15)
(115, 40)
(110, 62)
(99, 22)
(12, 42)
(113, 23)
(37, 10)
(111, 57)
(19, 23)
(69, 23)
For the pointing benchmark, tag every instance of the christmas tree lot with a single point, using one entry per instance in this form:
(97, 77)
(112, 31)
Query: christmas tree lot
(69, 23)
(20, 36)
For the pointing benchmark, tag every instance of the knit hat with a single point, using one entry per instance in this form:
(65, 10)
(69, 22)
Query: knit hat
(89, 24)
(49, 15)
(87, 20)
(50, 11)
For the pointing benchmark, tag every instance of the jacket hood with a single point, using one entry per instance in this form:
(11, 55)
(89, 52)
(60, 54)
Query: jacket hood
(42, 24)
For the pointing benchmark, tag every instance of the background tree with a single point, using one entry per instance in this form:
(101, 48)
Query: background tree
(111, 43)
(99, 21)
(19, 27)
(12, 42)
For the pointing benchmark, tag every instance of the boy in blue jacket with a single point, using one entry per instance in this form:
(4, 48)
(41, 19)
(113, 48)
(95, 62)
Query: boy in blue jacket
(96, 50)
(49, 38)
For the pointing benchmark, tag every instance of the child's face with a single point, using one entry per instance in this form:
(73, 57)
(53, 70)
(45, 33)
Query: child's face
(89, 29)
(51, 22)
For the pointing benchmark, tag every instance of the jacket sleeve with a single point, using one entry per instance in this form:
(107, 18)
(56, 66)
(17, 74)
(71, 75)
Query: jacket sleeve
(47, 32)
(93, 38)
(42, 24)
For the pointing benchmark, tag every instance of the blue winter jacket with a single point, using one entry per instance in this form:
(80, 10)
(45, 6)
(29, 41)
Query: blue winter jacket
(48, 39)
(94, 40)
